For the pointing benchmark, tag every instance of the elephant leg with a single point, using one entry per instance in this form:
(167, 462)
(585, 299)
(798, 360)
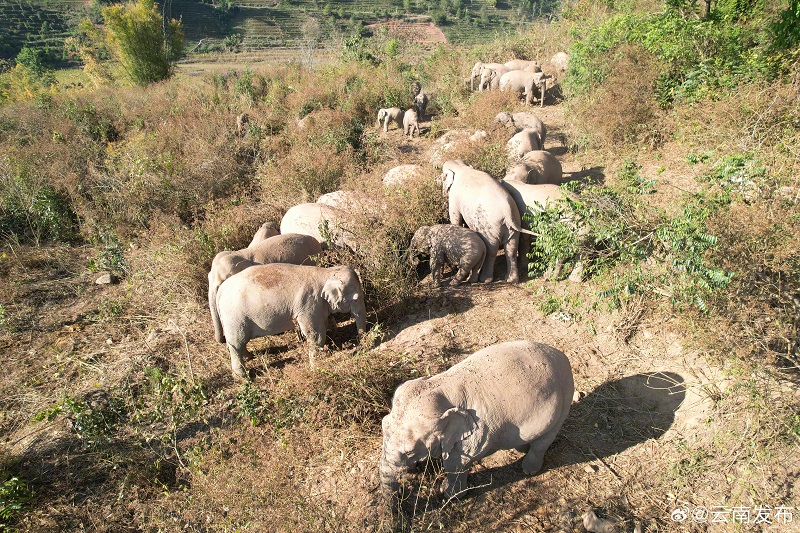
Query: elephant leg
(461, 275)
(455, 216)
(437, 261)
(510, 249)
(487, 270)
(237, 360)
(576, 276)
(524, 250)
(313, 329)
(533, 460)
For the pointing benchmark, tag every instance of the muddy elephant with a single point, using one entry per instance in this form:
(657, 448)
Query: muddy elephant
(323, 222)
(527, 84)
(523, 120)
(287, 248)
(512, 395)
(536, 167)
(268, 299)
(391, 114)
(410, 123)
(533, 199)
(523, 142)
(478, 200)
(444, 243)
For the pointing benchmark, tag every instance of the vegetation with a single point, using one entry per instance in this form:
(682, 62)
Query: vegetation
(118, 408)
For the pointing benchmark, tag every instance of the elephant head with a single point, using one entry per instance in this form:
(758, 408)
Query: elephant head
(342, 291)
(448, 175)
(423, 423)
(476, 72)
(382, 114)
(420, 243)
(267, 230)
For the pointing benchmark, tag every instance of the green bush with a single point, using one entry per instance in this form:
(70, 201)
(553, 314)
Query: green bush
(14, 499)
(134, 34)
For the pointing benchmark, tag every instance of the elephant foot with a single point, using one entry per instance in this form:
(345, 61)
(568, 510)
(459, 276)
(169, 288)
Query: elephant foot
(532, 462)
(576, 276)
(512, 279)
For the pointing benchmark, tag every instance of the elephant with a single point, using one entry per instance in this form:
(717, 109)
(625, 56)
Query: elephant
(410, 123)
(265, 231)
(399, 175)
(533, 199)
(477, 199)
(416, 88)
(461, 247)
(267, 300)
(521, 64)
(391, 114)
(320, 221)
(523, 120)
(528, 84)
(490, 77)
(523, 142)
(536, 167)
(421, 104)
(508, 395)
(286, 248)
(560, 62)
(476, 72)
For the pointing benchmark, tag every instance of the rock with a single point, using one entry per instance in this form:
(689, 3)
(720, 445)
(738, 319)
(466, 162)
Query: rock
(597, 525)
(107, 279)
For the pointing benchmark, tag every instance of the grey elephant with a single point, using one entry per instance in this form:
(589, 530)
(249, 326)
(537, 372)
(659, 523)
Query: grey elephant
(287, 248)
(268, 299)
(475, 75)
(478, 200)
(522, 64)
(265, 231)
(323, 222)
(523, 142)
(536, 167)
(533, 199)
(445, 243)
(410, 123)
(490, 77)
(560, 62)
(391, 114)
(508, 395)
(527, 84)
(523, 120)
(421, 104)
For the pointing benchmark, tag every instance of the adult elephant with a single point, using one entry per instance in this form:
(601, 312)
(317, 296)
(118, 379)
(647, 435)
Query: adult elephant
(536, 167)
(527, 84)
(534, 199)
(523, 120)
(268, 299)
(323, 222)
(509, 395)
(287, 248)
(522, 64)
(523, 142)
(478, 200)
(475, 75)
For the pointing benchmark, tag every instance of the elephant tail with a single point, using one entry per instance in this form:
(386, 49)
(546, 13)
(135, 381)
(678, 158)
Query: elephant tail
(514, 227)
(213, 297)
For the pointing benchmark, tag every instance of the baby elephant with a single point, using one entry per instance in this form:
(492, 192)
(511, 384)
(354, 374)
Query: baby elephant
(269, 299)
(410, 123)
(458, 246)
(509, 395)
(391, 114)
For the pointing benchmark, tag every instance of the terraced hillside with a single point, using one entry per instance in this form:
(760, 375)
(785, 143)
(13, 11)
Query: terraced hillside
(239, 25)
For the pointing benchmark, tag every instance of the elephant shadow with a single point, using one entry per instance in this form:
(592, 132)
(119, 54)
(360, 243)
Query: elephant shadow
(586, 177)
(611, 419)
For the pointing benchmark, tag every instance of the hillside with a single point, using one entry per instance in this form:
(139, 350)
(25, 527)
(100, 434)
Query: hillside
(119, 408)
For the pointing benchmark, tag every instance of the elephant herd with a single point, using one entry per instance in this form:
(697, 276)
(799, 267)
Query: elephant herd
(509, 395)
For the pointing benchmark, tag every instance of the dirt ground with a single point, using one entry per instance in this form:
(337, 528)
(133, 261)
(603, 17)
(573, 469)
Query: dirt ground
(646, 438)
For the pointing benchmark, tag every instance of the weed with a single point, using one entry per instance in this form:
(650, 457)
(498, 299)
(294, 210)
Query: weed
(95, 421)
(111, 257)
(15, 497)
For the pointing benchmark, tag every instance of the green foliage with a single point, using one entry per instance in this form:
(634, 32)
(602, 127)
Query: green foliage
(112, 255)
(33, 59)
(30, 210)
(282, 413)
(165, 403)
(15, 497)
(134, 33)
(392, 48)
(737, 173)
(613, 226)
(96, 421)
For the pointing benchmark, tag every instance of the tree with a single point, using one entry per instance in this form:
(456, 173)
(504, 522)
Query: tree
(145, 45)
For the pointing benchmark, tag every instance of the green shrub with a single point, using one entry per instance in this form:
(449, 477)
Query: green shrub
(134, 34)
(15, 496)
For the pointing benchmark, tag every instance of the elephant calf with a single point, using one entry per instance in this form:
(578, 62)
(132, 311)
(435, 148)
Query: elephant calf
(410, 123)
(536, 167)
(461, 247)
(268, 299)
(523, 142)
(509, 395)
(391, 114)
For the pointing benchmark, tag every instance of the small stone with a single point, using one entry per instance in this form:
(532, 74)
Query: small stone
(109, 341)
(106, 279)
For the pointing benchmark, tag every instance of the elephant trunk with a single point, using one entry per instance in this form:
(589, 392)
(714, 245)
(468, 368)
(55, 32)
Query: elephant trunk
(389, 476)
(359, 312)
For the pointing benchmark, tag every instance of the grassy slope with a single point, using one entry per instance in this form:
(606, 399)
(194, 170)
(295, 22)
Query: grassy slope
(119, 409)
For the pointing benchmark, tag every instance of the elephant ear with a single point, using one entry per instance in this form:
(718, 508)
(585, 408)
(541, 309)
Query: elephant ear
(448, 177)
(333, 292)
(456, 425)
